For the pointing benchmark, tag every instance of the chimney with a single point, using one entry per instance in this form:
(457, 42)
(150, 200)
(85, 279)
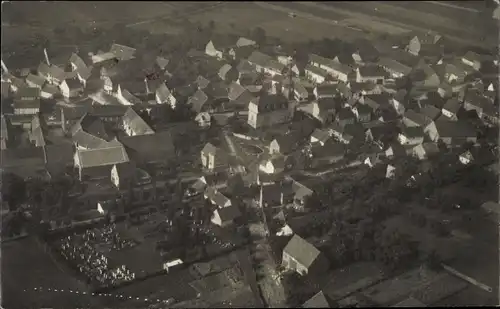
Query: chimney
(147, 86)
(46, 56)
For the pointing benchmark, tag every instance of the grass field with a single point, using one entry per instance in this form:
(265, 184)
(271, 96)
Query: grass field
(26, 267)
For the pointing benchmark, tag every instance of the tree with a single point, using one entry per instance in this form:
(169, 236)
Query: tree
(259, 35)
(13, 190)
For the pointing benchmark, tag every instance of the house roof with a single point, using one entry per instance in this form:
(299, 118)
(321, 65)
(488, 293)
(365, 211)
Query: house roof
(77, 61)
(372, 71)
(122, 52)
(319, 300)
(376, 101)
(59, 154)
(452, 105)
(394, 65)
(163, 92)
(244, 42)
(418, 118)
(217, 91)
(330, 149)
(92, 125)
(220, 199)
(108, 154)
(202, 82)
(340, 67)
(197, 100)
(301, 191)
(275, 65)
(316, 70)
(472, 56)
(244, 66)
(27, 92)
(302, 251)
(412, 132)
(492, 207)
(430, 111)
(209, 148)
(456, 129)
(235, 90)
(327, 90)
(162, 62)
(51, 89)
(321, 135)
(313, 58)
(150, 147)
(35, 79)
(228, 213)
(73, 83)
(136, 123)
(259, 58)
(226, 68)
(345, 113)
(22, 157)
(57, 73)
(43, 69)
(243, 52)
(100, 110)
(19, 104)
(410, 302)
(125, 170)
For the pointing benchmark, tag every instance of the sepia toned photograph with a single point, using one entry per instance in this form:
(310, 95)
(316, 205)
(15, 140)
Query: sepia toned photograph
(233, 154)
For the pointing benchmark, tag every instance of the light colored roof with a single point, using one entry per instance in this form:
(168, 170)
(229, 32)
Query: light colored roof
(228, 213)
(122, 52)
(319, 59)
(244, 42)
(162, 62)
(163, 92)
(137, 124)
(35, 79)
(394, 65)
(316, 70)
(302, 251)
(209, 148)
(259, 58)
(319, 300)
(108, 154)
(410, 302)
(235, 91)
(197, 100)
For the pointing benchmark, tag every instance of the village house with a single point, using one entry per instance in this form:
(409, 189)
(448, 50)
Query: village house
(329, 153)
(345, 116)
(225, 216)
(319, 300)
(123, 174)
(315, 74)
(371, 73)
(217, 48)
(90, 132)
(154, 149)
(363, 113)
(198, 101)
(122, 52)
(300, 93)
(399, 102)
(455, 133)
(472, 59)
(474, 101)
(454, 72)
(134, 125)
(283, 144)
(228, 73)
(390, 171)
(49, 91)
(98, 162)
(319, 61)
(22, 107)
(325, 91)
(320, 136)
(339, 71)
(241, 52)
(212, 157)
(165, 96)
(259, 60)
(273, 67)
(301, 194)
(451, 108)
(418, 43)
(425, 76)
(411, 136)
(71, 88)
(35, 81)
(273, 165)
(414, 119)
(302, 257)
(394, 68)
(377, 102)
(201, 82)
(267, 110)
(431, 111)
(216, 198)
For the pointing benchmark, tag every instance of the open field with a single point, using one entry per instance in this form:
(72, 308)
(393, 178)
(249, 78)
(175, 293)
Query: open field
(26, 267)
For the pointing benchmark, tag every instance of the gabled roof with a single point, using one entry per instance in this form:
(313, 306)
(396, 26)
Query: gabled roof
(73, 84)
(77, 61)
(163, 93)
(418, 118)
(209, 149)
(35, 79)
(430, 111)
(198, 100)
(302, 251)
(259, 58)
(235, 90)
(452, 105)
(394, 65)
(454, 129)
(372, 71)
(243, 99)
(412, 132)
(330, 149)
(472, 56)
(19, 104)
(162, 62)
(136, 123)
(92, 125)
(57, 73)
(313, 58)
(22, 157)
(244, 66)
(202, 82)
(321, 135)
(27, 92)
(316, 70)
(327, 90)
(275, 65)
(150, 147)
(125, 170)
(43, 69)
(108, 154)
(224, 70)
(244, 42)
(59, 154)
(301, 191)
(228, 213)
(122, 52)
(319, 300)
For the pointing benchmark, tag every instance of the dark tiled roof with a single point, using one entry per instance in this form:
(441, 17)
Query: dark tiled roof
(150, 147)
